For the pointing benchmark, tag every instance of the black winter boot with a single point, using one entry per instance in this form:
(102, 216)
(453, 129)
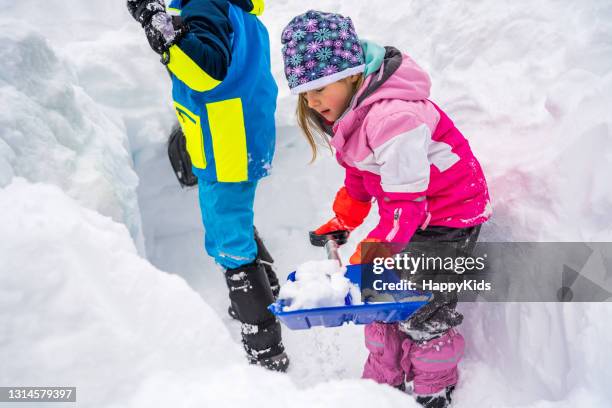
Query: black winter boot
(264, 257)
(441, 399)
(264, 346)
(250, 295)
(274, 286)
(268, 262)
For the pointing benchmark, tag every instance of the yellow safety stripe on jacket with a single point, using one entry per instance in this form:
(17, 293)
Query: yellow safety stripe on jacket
(190, 73)
(226, 121)
(192, 129)
(258, 7)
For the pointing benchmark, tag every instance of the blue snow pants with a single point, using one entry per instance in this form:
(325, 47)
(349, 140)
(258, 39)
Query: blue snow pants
(227, 215)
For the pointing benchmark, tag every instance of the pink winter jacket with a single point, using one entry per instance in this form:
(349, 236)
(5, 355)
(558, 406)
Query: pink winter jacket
(402, 149)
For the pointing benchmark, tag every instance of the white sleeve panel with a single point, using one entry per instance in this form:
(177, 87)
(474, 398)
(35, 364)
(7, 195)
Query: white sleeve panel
(404, 166)
(441, 155)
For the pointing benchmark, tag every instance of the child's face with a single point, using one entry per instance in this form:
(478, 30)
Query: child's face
(332, 100)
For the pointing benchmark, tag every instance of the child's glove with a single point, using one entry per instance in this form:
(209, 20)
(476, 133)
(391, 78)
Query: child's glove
(144, 10)
(350, 214)
(374, 248)
(158, 25)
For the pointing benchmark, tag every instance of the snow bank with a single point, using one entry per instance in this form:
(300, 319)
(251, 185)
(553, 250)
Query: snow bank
(53, 132)
(318, 284)
(79, 306)
(537, 355)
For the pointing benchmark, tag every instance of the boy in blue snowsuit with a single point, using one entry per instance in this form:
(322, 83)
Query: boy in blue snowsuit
(218, 56)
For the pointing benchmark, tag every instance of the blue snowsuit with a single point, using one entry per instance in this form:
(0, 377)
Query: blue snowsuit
(225, 98)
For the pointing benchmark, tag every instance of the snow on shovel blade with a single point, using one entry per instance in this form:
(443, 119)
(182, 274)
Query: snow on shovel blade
(365, 313)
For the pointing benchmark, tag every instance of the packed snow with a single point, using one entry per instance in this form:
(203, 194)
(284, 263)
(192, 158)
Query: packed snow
(80, 307)
(104, 283)
(318, 284)
(53, 131)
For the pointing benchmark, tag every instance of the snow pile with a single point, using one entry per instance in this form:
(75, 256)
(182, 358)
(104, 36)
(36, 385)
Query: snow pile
(557, 355)
(79, 307)
(318, 284)
(53, 132)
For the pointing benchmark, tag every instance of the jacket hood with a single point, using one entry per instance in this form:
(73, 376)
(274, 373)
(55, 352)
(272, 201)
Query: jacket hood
(398, 77)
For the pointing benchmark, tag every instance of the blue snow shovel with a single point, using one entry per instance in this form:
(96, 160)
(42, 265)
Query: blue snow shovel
(365, 313)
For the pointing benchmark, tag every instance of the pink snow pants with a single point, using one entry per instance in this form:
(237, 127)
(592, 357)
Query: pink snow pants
(432, 365)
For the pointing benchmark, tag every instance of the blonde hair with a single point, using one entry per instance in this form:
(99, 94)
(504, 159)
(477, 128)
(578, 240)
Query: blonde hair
(310, 122)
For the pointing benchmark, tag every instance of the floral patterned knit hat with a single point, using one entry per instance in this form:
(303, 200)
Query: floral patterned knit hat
(319, 49)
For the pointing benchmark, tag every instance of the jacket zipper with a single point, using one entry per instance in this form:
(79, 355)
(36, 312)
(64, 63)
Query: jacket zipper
(396, 225)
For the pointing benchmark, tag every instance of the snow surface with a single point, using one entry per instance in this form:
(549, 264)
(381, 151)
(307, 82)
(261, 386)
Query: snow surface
(318, 284)
(104, 283)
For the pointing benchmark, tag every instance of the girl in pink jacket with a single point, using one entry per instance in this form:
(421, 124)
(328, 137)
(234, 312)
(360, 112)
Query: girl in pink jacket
(401, 150)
